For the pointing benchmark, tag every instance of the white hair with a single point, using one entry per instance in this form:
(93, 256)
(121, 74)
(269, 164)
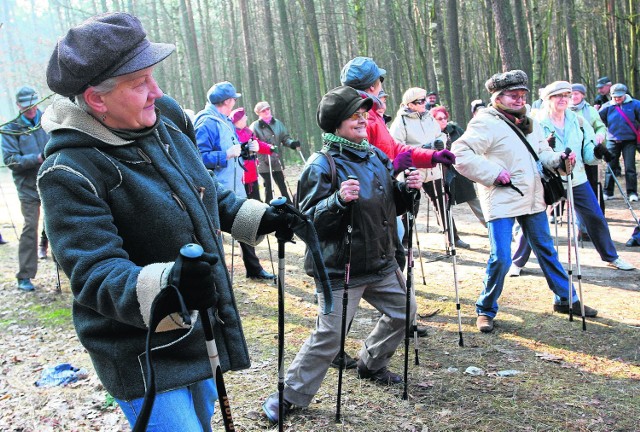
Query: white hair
(103, 88)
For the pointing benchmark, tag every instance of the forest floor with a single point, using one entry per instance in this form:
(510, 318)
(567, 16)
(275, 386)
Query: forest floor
(568, 380)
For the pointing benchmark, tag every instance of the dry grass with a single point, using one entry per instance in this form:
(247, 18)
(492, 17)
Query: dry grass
(571, 380)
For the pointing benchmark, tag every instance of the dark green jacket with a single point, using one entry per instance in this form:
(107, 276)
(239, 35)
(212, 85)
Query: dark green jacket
(117, 213)
(276, 134)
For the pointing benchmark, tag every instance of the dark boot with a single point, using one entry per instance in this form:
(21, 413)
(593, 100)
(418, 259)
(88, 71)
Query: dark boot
(382, 376)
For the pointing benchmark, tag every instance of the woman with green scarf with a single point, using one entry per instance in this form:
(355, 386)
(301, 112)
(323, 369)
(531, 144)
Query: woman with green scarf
(375, 199)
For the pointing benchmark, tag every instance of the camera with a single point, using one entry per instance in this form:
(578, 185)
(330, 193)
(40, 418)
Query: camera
(245, 153)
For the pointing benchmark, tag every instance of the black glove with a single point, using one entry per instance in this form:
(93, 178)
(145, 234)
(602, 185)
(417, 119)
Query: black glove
(551, 139)
(295, 144)
(600, 151)
(438, 145)
(194, 279)
(274, 220)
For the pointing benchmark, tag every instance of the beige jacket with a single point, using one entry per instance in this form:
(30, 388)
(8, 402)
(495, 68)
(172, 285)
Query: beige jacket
(487, 147)
(418, 130)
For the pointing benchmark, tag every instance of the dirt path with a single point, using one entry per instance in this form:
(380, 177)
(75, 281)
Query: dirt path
(570, 380)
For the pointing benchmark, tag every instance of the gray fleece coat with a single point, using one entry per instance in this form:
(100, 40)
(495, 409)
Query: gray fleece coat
(117, 212)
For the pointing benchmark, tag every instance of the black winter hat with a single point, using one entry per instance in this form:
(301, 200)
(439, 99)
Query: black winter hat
(102, 47)
(338, 105)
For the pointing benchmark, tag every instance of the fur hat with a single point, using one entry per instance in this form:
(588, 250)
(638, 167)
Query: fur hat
(511, 80)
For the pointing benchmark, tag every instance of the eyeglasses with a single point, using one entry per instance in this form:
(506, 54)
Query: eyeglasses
(516, 97)
(563, 96)
(440, 118)
(359, 115)
(419, 101)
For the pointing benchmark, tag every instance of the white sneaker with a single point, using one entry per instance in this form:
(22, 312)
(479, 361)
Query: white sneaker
(633, 197)
(621, 264)
(514, 270)
(607, 197)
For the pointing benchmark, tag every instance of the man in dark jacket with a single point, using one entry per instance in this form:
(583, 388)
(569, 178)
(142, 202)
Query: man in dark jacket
(23, 143)
(372, 202)
(270, 166)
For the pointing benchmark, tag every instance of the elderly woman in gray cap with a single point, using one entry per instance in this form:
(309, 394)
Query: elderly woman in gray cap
(124, 188)
(492, 152)
(372, 203)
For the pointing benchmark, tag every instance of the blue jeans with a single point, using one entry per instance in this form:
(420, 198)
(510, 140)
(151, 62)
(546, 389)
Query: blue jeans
(189, 408)
(536, 229)
(628, 151)
(588, 212)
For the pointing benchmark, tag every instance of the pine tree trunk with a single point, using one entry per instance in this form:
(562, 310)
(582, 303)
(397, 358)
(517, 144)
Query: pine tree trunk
(573, 56)
(455, 69)
(503, 19)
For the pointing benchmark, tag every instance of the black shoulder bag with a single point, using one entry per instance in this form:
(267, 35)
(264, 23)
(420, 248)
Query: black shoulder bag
(551, 181)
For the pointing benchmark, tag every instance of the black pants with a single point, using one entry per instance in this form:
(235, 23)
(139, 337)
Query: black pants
(252, 190)
(250, 259)
(592, 177)
(434, 192)
(278, 177)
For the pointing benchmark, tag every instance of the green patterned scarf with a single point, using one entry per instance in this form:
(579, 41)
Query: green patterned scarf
(330, 139)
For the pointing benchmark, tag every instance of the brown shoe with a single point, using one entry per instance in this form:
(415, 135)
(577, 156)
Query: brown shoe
(564, 309)
(484, 323)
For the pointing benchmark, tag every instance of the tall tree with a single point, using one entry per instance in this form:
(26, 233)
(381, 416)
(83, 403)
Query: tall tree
(503, 19)
(522, 36)
(250, 63)
(189, 34)
(572, 41)
(457, 103)
(443, 85)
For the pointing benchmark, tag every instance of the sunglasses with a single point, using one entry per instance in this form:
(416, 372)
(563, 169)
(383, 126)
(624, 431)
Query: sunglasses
(359, 115)
(419, 101)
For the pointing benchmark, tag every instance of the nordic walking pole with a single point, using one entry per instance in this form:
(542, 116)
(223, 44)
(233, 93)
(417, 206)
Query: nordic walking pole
(9, 212)
(409, 321)
(452, 245)
(278, 203)
(570, 223)
(626, 199)
(555, 223)
(273, 270)
(233, 241)
(304, 161)
(424, 281)
(345, 303)
(571, 211)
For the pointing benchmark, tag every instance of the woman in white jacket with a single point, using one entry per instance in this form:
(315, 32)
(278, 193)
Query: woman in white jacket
(492, 153)
(414, 126)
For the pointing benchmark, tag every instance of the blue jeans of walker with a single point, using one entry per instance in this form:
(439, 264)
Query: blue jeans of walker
(536, 229)
(188, 409)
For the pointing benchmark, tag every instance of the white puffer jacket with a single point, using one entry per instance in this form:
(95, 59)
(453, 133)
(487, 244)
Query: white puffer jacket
(487, 147)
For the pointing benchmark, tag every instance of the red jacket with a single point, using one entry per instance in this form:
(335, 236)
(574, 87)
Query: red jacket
(251, 174)
(379, 136)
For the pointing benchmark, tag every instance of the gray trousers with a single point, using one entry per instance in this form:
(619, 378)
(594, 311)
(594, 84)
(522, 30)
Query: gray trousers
(308, 369)
(28, 246)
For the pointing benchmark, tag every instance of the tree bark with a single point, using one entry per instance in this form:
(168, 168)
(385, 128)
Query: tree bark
(503, 19)
(573, 52)
(455, 68)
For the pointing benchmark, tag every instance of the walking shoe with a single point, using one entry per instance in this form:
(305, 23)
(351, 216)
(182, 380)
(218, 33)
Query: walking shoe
(25, 284)
(349, 362)
(382, 376)
(632, 242)
(462, 244)
(262, 275)
(2, 241)
(42, 252)
(514, 270)
(606, 197)
(564, 309)
(633, 197)
(484, 323)
(621, 264)
(270, 407)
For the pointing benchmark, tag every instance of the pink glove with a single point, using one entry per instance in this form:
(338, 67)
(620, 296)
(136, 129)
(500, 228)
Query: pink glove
(444, 157)
(503, 178)
(402, 161)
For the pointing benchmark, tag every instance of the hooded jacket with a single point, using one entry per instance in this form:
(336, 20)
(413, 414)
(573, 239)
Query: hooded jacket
(20, 151)
(617, 127)
(117, 213)
(487, 147)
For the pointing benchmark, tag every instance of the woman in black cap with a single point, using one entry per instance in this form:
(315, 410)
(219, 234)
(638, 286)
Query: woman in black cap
(375, 199)
(124, 188)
